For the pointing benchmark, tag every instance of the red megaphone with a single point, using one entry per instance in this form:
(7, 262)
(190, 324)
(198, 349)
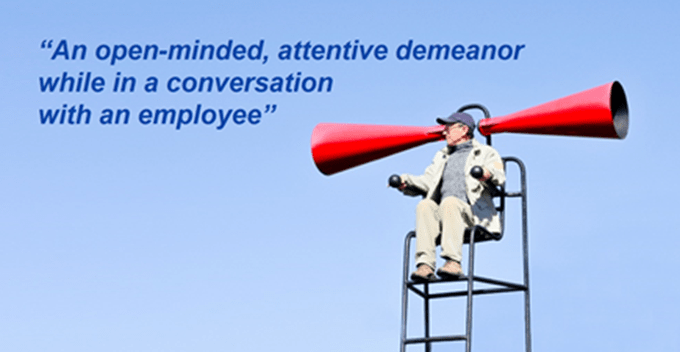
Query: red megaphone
(597, 112)
(337, 147)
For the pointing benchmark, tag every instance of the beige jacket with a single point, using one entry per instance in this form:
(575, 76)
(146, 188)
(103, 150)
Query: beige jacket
(479, 196)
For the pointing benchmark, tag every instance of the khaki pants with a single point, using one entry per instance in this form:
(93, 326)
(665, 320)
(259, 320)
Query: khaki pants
(450, 218)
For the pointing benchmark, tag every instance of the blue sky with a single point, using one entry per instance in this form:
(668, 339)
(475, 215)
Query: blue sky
(144, 238)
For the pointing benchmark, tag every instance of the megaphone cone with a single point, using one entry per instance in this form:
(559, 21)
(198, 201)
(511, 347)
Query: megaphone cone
(337, 147)
(597, 112)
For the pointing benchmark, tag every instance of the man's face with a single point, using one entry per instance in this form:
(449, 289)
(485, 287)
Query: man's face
(456, 133)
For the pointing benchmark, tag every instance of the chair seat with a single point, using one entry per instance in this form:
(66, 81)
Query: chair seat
(481, 235)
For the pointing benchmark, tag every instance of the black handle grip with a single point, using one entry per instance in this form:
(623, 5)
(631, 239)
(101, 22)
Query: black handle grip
(394, 181)
(477, 172)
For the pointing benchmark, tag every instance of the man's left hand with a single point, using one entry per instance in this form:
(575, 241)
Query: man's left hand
(485, 176)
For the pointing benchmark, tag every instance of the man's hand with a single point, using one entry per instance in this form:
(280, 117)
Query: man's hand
(486, 175)
(396, 182)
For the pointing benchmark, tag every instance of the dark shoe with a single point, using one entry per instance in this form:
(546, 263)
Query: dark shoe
(423, 274)
(451, 270)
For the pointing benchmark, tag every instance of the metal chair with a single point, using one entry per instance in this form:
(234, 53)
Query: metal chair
(472, 236)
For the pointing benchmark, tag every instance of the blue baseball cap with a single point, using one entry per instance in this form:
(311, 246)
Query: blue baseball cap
(461, 117)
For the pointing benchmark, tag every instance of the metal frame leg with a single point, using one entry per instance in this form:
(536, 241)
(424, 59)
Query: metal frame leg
(525, 245)
(426, 308)
(404, 293)
(470, 290)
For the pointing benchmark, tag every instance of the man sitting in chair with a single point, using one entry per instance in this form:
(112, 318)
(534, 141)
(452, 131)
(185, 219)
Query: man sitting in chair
(455, 199)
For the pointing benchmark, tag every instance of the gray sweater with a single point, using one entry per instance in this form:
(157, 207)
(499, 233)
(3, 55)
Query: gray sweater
(453, 179)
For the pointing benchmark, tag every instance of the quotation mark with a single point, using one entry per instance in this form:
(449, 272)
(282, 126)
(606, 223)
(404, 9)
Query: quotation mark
(46, 44)
(273, 107)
